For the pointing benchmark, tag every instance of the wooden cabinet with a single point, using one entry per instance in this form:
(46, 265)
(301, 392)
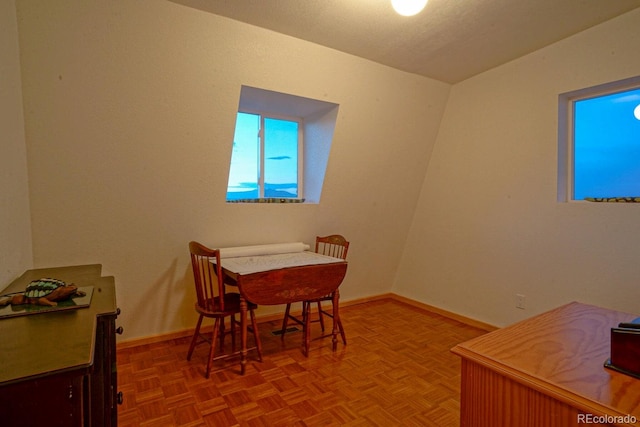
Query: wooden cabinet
(548, 371)
(58, 368)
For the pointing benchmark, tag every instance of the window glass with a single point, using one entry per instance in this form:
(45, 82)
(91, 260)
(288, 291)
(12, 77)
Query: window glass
(606, 146)
(245, 158)
(281, 158)
(264, 162)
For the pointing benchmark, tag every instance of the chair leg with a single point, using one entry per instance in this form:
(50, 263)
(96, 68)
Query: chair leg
(222, 333)
(195, 338)
(320, 317)
(285, 321)
(335, 302)
(304, 314)
(256, 336)
(233, 333)
(216, 328)
(342, 334)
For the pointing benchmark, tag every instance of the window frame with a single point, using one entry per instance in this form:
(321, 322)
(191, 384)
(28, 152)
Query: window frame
(566, 131)
(261, 153)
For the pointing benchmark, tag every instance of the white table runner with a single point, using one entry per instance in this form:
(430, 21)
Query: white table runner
(255, 264)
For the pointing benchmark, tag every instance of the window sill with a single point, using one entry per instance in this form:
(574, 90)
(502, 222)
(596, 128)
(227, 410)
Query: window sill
(267, 200)
(613, 199)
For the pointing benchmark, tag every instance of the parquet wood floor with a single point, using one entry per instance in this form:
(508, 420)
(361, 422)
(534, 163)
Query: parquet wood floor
(396, 370)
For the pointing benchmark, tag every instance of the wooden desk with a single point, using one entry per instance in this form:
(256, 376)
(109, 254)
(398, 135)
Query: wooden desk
(547, 371)
(59, 368)
(282, 285)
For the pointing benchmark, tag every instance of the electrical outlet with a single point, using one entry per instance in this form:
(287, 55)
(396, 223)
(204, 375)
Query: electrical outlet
(520, 301)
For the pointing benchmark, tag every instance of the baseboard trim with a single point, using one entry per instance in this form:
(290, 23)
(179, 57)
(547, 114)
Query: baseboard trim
(278, 316)
(444, 313)
(121, 345)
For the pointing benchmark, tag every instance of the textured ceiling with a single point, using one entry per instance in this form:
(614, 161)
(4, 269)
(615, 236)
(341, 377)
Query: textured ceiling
(450, 40)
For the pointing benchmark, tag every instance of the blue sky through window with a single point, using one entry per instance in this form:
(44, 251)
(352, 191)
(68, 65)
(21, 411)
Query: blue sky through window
(245, 158)
(280, 158)
(607, 146)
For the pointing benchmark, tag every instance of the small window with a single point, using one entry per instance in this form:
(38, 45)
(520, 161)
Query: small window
(599, 143)
(280, 148)
(265, 161)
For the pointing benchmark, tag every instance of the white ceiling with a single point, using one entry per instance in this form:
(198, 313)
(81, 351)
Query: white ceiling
(450, 40)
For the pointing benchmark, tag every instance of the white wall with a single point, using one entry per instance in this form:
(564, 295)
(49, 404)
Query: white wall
(130, 110)
(488, 226)
(15, 218)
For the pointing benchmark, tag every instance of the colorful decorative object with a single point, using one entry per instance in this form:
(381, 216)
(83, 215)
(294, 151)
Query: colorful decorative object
(45, 292)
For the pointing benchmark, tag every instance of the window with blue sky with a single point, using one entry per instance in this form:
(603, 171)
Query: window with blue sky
(264, 160)
(606, 145)
(280, 147)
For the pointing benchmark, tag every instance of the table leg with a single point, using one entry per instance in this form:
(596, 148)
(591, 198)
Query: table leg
(335, 302)
(243, 335)
(306, 318)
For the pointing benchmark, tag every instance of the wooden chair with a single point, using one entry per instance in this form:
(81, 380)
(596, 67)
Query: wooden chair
(214, 302)
(336, 246)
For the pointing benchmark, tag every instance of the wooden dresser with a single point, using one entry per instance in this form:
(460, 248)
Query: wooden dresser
(59, 368)
(548, 371)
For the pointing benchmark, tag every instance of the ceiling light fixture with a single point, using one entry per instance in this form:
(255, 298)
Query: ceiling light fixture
(408, 7)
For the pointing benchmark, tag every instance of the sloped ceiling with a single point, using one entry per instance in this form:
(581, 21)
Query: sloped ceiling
(450, 40)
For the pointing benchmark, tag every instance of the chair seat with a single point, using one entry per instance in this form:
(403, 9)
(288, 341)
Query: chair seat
(328, 297)
(231, 306)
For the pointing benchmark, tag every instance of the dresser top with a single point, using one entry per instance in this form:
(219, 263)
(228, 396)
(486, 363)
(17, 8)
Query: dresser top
(49, 342)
